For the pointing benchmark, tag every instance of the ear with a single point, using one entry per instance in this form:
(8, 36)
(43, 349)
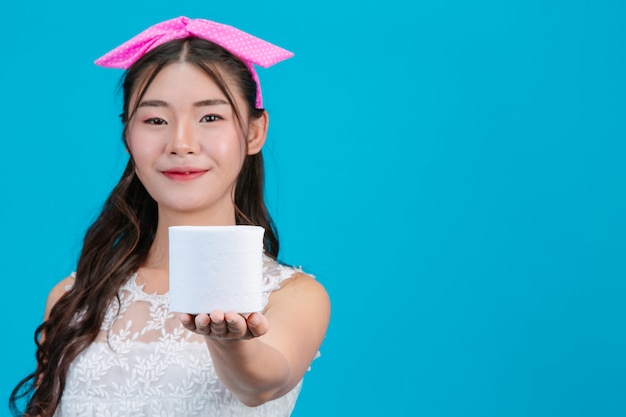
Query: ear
(257, 133)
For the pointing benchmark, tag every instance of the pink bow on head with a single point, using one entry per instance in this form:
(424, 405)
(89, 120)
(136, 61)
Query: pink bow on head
(250, 49)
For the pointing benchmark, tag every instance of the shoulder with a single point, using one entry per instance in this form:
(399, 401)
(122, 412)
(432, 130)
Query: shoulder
(289, 282)
(301, 291)
(303, 281)
(57, 292)
(278, 275)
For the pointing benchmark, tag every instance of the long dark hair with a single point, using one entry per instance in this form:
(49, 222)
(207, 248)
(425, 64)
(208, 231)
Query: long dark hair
(118, 242)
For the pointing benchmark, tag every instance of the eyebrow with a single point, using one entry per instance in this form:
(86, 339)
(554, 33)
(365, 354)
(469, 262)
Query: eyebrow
(202, 103)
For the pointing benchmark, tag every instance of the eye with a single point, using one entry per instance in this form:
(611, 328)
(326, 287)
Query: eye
(155, 121)
(211, 118)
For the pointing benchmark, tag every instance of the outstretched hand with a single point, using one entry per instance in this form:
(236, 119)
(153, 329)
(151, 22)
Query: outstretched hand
(226, 326)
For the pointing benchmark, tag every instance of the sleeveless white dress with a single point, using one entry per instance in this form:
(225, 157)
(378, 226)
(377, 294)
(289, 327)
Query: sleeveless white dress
(144, 363)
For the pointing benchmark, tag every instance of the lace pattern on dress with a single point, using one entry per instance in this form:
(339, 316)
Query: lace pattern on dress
(145, 363)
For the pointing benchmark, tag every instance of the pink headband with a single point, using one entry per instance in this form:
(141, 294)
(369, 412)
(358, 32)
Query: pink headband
(251, 50)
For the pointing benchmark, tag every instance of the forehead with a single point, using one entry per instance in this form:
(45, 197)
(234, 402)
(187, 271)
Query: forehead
(183, 79)
(184, 83)
(175, 76)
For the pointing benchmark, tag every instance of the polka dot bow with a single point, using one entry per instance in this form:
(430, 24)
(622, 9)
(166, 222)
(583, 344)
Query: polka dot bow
(250, 49)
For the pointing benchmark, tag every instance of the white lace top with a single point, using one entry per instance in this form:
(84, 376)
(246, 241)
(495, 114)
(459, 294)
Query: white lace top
(145, 364)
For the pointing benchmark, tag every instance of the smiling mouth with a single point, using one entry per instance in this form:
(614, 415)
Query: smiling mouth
(186, 175)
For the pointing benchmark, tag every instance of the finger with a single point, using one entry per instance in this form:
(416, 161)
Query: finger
(236, 324)
(187, 321)
(258, 325)
(203, 323)
(218, 324)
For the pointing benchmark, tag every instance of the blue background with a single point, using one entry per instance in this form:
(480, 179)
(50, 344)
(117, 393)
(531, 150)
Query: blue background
(451, 171)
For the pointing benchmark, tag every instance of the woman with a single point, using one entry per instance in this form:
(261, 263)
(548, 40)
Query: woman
(194, 127)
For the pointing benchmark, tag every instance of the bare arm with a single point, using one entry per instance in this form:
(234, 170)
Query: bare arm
(55, 294)
(263, 356)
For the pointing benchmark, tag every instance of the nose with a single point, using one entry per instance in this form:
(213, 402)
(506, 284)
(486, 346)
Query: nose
(183, 140)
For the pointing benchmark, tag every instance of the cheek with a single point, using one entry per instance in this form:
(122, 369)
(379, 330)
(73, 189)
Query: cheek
(142, 159)
(142, 147)
(231, 151)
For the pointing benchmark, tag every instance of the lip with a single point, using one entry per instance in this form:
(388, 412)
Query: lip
(184, 173)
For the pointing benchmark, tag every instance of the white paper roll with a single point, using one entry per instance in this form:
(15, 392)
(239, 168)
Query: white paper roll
(215, 268)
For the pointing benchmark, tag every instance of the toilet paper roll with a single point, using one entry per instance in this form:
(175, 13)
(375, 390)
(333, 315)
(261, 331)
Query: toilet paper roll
(215, 268)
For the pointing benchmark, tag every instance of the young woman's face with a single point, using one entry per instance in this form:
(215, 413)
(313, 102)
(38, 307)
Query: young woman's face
(187, 144)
